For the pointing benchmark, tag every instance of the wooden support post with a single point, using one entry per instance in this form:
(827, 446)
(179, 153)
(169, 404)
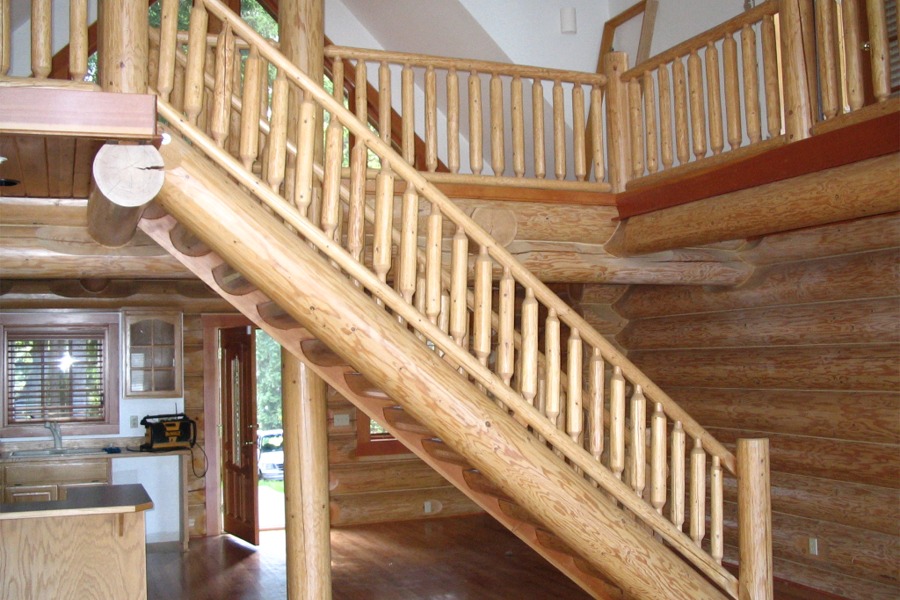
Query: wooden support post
(124, 186)
(797, 109)
(754, 520)
(124, 179)
(307, 525)
(617, 141)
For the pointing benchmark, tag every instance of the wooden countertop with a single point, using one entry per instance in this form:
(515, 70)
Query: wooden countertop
(7, 457)
(88, 500)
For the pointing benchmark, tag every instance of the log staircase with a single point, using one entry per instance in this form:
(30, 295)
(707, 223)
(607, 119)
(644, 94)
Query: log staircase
(311, 253)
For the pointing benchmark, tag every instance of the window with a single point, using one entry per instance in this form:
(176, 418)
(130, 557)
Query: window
(59, 367)
(373, 440)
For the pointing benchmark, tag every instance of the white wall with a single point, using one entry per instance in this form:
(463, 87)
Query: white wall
(160, 476)
(20, 15)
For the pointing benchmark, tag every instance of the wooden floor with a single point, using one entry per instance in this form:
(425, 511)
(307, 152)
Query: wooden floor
(462, 558)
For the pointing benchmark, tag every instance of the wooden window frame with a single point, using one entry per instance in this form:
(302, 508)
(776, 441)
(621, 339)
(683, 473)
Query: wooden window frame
(377, 445)
(61, 322)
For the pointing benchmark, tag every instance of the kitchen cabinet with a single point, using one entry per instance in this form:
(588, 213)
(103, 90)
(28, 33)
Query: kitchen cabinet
(33, 481)
(153, 354)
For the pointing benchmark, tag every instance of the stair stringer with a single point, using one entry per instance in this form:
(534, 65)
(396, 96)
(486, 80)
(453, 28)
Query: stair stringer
(343, 317)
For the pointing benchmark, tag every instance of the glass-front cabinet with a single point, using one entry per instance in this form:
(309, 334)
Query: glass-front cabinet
(153, 355)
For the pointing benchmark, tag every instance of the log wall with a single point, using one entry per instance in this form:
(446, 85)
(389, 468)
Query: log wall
(805, 354)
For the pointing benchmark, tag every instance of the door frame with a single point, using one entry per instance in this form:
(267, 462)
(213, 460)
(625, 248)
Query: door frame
(212, 414)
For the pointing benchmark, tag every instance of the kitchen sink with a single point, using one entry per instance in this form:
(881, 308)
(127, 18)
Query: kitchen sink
(57, 452)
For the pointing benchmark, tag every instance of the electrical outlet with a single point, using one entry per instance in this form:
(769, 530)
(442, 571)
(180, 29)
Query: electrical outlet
(813, 546)
(428, 508)
(135, 422)
(341, 420)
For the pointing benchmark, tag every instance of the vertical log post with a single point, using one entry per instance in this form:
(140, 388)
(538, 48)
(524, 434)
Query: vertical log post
(616, 63)
(5, 36)
(754, 520)
(797, 112)
(306, 487)
(115, 204)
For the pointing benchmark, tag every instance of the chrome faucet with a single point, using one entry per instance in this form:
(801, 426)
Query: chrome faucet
(57, 436)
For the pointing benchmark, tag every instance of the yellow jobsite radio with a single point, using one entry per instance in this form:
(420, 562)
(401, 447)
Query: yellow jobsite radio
(168, 432)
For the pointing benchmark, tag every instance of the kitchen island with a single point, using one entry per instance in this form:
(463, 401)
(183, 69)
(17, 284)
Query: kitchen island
(89, 546)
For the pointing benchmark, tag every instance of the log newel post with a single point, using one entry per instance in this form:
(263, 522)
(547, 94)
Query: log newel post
(618, 147)
(307, 518)
(797, 102)
(124, 177)
(754, 520)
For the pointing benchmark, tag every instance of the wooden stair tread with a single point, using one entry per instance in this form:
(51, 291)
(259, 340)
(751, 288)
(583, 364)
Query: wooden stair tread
(481, 484)
(400, 419)
(275, 316)
(444, 453)
(361, 386)
(320, 354)
(513, 510)
(231, 281)
(187, 243)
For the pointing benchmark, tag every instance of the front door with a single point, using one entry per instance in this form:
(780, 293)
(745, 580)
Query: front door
(239, 433)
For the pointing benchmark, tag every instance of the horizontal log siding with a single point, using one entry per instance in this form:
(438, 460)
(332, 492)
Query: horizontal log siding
(806, 353)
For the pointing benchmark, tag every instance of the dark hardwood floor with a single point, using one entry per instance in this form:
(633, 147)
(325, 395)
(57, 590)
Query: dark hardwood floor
(461, 558)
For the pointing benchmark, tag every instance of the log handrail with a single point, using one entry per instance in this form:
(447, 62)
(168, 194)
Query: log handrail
(429, 323)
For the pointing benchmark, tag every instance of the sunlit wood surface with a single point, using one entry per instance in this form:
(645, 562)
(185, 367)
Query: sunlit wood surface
(463, 558)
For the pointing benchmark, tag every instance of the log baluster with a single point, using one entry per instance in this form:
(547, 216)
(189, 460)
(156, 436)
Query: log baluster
(431, 141)
(5, 36)
(667, 151)
(797, 113)
(234, 114)
(384, 102)
(826, 60)
(444, 319)
(650, 134)
(574, 392)
(878, 50)
(409, 231)
(528, 370)
(853, 54)
(750, 71)
(771, 77)
(617, 423)
(658, 458)
(677, 469)
(331, 185)
(698, 492)
(433, 264)
(209, 70)
(552, 356)
(636, 123)
(596, 133)
(559, 130)
(220, 123)
(41, 50)
(276, 146)
(537, 118)
(698, 113)
(483, 311)
(250, 112)
(714, 99)
(78, 40)
(196, 63)
(596, 408)
(407, 115)
(303, 171)
(498, 153)
(177, 96)
(517, 108)
(476, 156)
(732, 92)
(637, 457)
(459, 269)
(716, 515)
(382, 243)
(506, 327)
(682, 145)
(168, 45)
(453, 121)
(578, 143)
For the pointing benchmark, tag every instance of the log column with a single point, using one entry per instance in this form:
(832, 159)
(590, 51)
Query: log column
(754, 520)
(116, 203)
(307, 525)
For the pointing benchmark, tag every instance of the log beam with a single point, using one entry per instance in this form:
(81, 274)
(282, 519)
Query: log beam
(125, 179)
(843, 193)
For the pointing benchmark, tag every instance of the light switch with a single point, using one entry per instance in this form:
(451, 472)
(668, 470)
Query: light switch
(341, 420)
